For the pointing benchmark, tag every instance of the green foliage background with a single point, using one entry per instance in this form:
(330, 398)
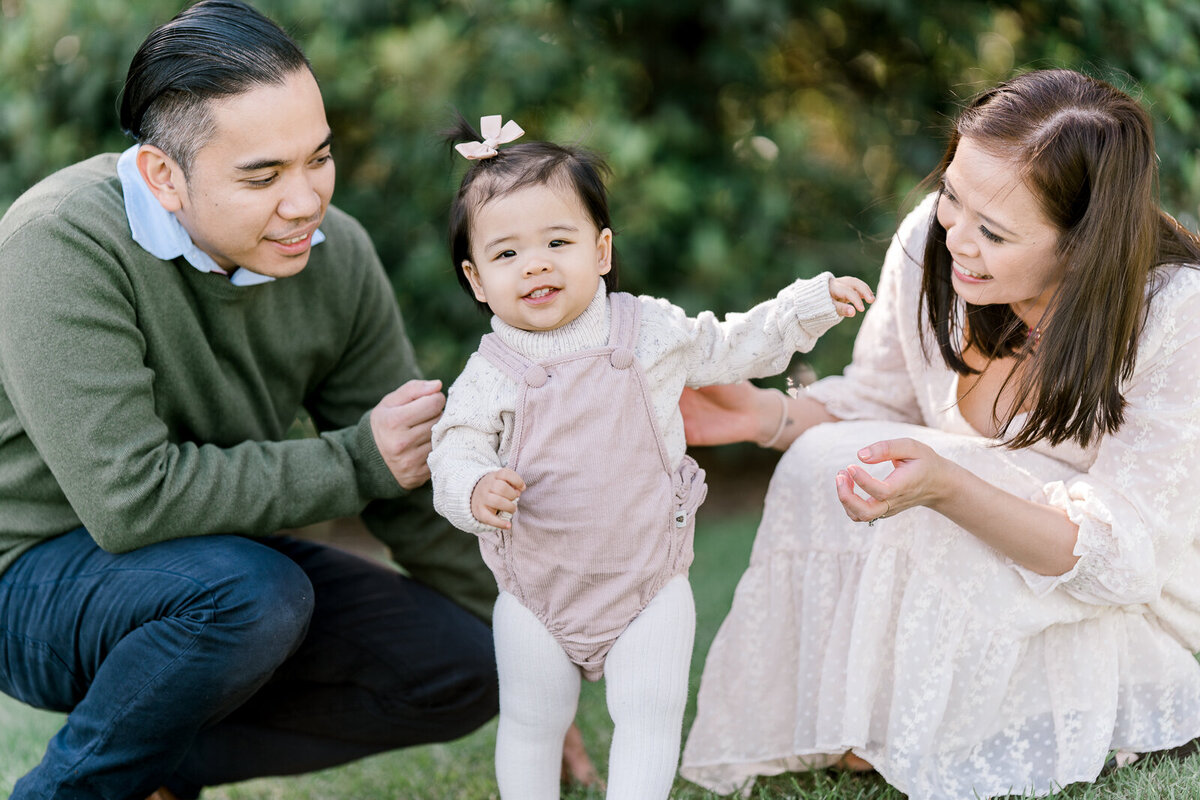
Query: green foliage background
(752, 141)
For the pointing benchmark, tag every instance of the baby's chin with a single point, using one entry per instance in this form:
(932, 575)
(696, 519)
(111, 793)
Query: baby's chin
(524, 323)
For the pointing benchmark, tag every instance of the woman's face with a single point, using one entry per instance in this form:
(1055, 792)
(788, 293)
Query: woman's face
(1002, 245)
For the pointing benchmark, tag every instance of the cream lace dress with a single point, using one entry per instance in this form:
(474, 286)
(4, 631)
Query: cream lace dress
(954, 671)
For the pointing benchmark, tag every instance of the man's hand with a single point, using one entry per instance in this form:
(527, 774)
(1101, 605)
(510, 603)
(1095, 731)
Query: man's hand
(494, 498)
(402, 424)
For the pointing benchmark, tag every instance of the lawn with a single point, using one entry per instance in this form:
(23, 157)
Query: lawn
(463, 770)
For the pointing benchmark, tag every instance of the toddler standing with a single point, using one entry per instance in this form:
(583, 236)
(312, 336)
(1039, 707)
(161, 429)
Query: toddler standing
(571, 407)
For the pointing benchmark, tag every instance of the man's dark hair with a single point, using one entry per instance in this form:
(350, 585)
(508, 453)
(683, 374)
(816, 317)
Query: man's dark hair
(214, 49)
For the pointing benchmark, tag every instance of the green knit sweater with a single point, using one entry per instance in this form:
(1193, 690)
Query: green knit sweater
(148, 401)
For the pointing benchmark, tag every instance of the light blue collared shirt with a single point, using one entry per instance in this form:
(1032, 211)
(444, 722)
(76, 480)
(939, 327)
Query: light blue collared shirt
(161, 235)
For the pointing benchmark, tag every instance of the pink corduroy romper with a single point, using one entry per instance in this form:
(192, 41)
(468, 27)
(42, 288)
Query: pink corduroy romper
(604, 522)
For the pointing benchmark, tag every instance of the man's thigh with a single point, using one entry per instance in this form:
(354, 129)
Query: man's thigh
(65, 604)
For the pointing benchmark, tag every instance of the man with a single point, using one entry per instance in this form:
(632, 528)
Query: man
(164, 318)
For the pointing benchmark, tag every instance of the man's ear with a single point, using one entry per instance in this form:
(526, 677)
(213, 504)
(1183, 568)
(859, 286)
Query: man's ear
(473, 278)
(163, 175)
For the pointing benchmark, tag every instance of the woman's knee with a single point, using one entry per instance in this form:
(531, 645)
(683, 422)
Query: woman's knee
(832, 440)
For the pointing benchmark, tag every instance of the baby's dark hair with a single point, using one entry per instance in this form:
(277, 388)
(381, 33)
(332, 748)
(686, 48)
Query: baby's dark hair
(516, 166)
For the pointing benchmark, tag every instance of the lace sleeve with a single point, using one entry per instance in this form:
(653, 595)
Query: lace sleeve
(1136, 507)
(878, 383)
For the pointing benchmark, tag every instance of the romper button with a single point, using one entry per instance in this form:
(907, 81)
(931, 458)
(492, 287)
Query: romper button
(536, 376)
(621, 357)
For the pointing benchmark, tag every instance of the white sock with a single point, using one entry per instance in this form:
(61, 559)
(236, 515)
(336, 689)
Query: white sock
(539, 691)
(647, 683)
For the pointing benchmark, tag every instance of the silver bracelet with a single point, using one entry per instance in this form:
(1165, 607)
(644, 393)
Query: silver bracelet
(783, 420)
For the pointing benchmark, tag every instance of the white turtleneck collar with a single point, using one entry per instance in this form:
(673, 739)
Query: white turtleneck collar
(588, 330)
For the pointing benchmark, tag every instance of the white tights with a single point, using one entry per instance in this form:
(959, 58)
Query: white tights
(646, 675)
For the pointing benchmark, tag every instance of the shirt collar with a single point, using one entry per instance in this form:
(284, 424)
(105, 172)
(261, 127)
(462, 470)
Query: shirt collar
(162, 235)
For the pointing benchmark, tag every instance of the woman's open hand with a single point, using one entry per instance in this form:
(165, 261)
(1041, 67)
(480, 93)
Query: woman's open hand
(920, 477)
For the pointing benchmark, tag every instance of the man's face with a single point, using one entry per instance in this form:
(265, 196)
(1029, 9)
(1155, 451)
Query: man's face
(258, 189)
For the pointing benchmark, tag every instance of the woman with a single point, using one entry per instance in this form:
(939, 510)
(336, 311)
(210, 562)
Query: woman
(983, 576)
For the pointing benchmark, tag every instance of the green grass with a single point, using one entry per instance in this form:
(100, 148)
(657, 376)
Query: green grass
(462, 770)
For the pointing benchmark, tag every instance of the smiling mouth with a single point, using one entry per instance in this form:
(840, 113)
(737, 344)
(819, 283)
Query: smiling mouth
(979, 276)
(539, 293)
(293, 239)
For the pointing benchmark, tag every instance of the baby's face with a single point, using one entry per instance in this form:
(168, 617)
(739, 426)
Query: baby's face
(536, 257)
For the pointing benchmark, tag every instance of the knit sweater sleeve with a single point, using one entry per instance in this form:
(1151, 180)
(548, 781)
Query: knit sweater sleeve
(376, 357)
(73, 347)
(470, 440)
(754, 343)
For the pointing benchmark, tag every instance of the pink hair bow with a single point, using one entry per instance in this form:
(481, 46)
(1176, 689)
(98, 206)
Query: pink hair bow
(493, 135)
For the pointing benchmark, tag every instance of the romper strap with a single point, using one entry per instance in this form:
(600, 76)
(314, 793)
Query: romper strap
(493, 348)
(625, 317)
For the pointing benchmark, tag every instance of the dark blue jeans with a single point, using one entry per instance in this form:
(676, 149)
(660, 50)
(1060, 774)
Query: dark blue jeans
(216, 659)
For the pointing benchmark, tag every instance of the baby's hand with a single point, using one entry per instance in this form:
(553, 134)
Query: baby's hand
(848, 294)
(494, 498)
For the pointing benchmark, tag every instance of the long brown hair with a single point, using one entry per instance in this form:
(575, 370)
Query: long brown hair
(1086, 152)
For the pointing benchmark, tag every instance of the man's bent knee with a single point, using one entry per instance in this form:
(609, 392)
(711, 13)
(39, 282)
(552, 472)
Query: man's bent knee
(253, 603)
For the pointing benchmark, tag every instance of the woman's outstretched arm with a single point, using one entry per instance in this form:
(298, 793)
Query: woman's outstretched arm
(743, 412)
